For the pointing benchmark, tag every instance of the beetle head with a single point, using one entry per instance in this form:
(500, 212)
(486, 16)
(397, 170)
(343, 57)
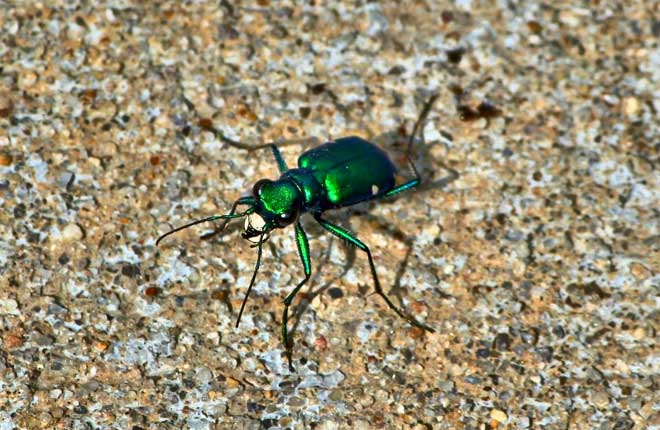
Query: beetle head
(278, 204)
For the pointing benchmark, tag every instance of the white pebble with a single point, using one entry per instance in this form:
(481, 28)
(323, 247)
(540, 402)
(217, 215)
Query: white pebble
(9, 307)
(72, 232)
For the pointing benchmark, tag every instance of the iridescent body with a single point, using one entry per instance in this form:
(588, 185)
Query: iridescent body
(329, 176)
(339, 170)
(336, 174)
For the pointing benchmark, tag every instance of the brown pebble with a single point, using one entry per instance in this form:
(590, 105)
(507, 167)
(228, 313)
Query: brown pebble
(321, 343)
(233, 383)
(152, 291)
(88, 96)
(416, 333)
(5, 159)
(639, 271)
(6, 111)
(534, 27)
(101, 345)
(447, 16)
(246, 112)
(417, 307)
(13, 341)
(220, 295)
(206, 124)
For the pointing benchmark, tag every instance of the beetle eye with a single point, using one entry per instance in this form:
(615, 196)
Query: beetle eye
(258, 186)
(286, 218)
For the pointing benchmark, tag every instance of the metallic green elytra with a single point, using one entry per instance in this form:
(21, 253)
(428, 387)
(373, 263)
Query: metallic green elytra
(336, 174)
(339, 168)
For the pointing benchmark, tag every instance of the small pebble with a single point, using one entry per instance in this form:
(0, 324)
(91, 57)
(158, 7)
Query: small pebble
(329, 425)
(71, 233)
(498, 415)
(631, 106)
(27, 79)
(12, 341)
(5, 159)
(9, 307)
(203, 375)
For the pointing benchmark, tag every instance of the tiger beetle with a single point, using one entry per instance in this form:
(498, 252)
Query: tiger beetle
(334, 175)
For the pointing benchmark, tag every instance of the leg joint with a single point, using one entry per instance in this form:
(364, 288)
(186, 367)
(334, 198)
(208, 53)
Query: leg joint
(292, 295)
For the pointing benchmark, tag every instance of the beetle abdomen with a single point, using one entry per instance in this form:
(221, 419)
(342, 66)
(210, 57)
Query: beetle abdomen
(350, 170)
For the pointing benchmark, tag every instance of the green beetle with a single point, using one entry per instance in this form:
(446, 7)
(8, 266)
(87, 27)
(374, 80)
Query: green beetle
(336, 174)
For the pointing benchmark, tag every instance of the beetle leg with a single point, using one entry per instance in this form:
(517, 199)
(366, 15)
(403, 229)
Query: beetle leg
(418, 126)
(403, 187)
(281, 164)
(350, 237)
(303, 251)
(254, 276)
(252, 147)
(249, 200)
(420, 121)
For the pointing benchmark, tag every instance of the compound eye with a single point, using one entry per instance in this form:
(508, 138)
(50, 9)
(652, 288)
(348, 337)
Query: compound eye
(287, 218)
(258, 186)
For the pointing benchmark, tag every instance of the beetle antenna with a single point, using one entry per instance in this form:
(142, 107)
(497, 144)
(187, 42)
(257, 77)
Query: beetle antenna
(420, 121)
(226, 217)
(254, 276)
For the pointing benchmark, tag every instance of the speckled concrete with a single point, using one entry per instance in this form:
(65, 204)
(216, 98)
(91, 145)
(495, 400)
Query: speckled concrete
(538, 266)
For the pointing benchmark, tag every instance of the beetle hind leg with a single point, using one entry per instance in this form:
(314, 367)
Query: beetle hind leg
(408, 185)
(417, 179)
(351, 238)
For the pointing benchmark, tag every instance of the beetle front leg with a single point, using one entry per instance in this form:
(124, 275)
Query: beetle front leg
(303, 251)
(246, 201)
(351, 238)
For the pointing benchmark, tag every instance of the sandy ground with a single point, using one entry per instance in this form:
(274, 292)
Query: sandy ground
(538, 266)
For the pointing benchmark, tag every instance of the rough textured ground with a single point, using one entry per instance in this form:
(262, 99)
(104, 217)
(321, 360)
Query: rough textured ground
(538, 266)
